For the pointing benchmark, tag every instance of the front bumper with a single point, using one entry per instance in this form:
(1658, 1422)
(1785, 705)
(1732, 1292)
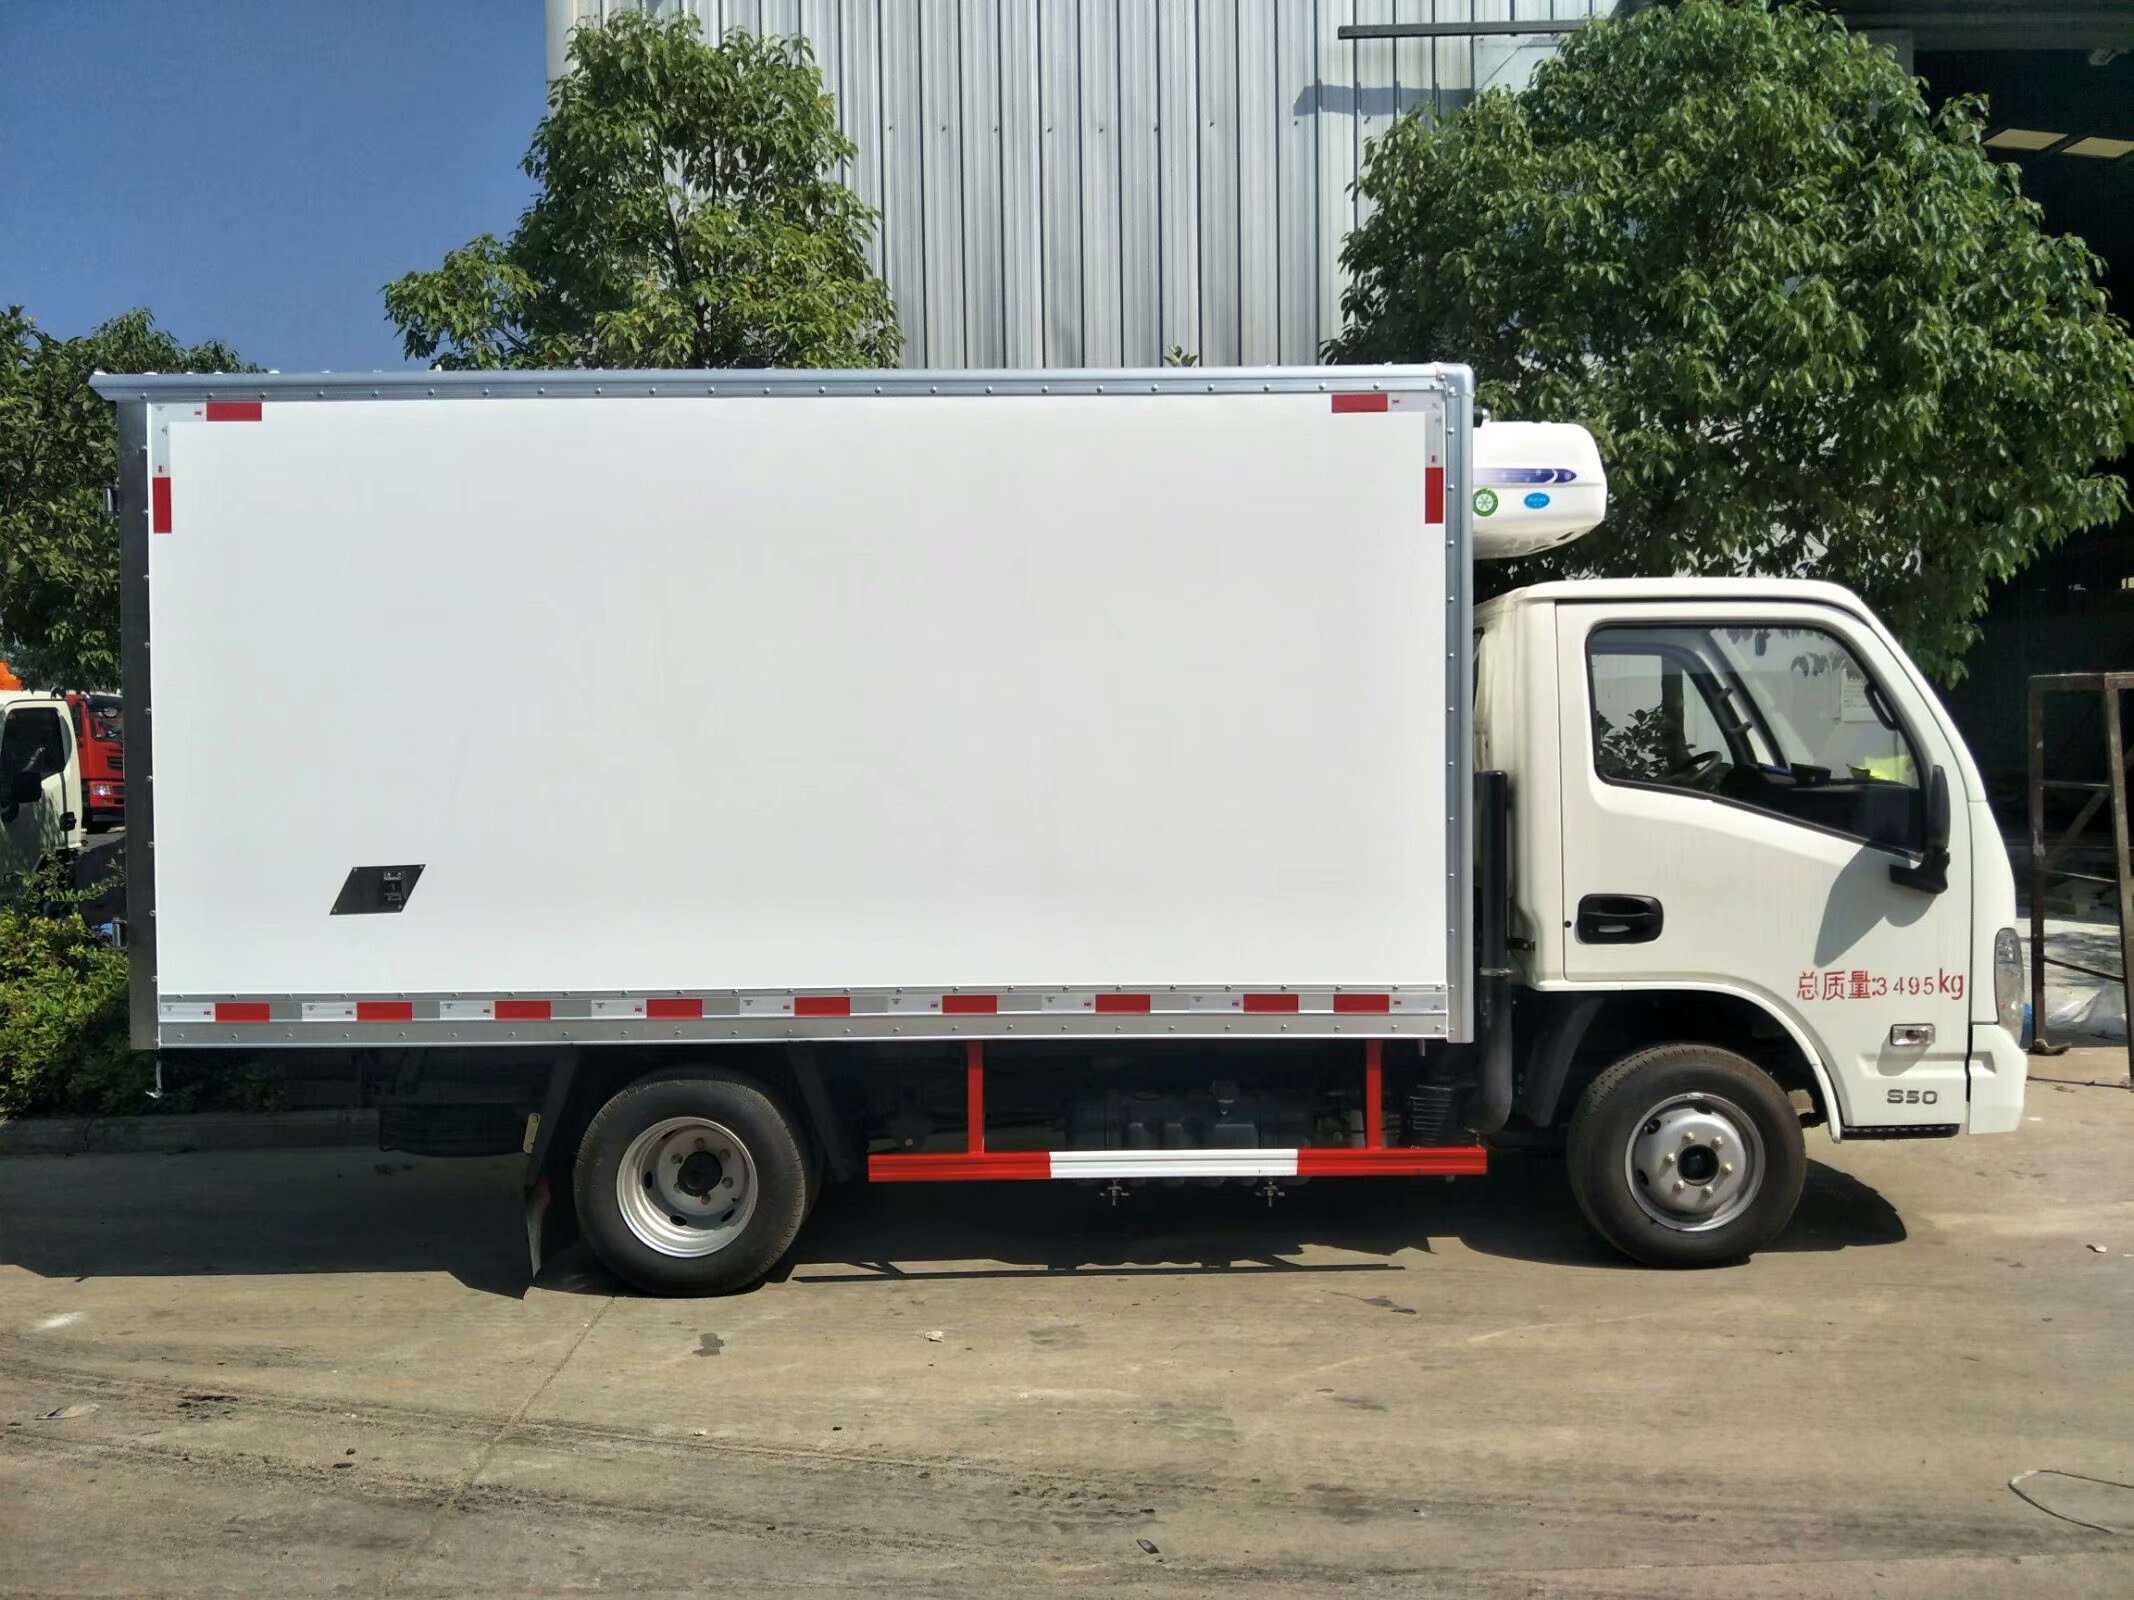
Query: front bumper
(1998, 1071)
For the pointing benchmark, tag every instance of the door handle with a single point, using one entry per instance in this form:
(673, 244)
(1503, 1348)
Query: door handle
(1619, 919)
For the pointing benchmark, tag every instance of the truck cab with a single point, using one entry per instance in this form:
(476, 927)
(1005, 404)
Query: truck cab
(1739, 814)
(100, 734)
(41, 802)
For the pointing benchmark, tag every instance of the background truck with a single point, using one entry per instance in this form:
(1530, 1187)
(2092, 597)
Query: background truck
(41, 801)
(100, 735)
(1097, 776)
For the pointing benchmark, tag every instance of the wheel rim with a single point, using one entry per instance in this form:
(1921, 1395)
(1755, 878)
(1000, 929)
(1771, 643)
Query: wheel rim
(1694, 1162)
(686, 1186)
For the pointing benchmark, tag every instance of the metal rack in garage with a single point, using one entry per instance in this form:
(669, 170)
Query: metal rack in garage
(2112, 687)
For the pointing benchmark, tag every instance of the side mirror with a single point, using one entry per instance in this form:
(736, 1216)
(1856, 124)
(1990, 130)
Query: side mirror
(1930, 874)
(25, 788)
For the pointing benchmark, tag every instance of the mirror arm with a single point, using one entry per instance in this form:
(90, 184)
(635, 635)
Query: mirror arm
(1930, 873)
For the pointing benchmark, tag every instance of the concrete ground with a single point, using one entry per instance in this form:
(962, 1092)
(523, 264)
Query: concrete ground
(300, 1372)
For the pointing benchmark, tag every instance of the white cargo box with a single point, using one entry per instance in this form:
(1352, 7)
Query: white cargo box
(486, 708)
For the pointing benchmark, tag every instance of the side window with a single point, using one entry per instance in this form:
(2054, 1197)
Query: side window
(1782, 718)
(18, 746)
(33, 741)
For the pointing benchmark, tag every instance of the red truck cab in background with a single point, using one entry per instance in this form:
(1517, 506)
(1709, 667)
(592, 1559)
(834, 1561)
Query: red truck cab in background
(100, 732)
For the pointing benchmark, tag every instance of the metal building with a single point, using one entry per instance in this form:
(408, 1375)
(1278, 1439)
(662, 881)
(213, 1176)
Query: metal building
(1095, 182)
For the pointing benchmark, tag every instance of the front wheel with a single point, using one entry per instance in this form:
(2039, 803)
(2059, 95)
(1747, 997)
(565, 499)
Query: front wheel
(692, 1183)
(1686, 1155)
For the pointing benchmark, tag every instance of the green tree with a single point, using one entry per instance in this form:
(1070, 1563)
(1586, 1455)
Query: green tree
(686, 218)
(1815, 328)
(62, 1003)
(59, 553)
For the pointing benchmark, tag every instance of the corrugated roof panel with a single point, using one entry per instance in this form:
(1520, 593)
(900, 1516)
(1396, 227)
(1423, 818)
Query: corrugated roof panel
(1091, 181)
(1022, 146)
(818, 25)
(1259, 245)
(1220, 345)
(1178, 173)
(859, 37)
(1102, 260)
(1141, 188)
(1334, 100)
(904, 176)
(1296, 187)
(1059, 116)
(984, 226)
(941, 179)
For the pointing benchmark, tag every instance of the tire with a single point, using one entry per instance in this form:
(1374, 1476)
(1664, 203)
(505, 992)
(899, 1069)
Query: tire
(1675, 1114)
(720, 1183)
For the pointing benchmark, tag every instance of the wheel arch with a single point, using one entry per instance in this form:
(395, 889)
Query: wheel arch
(581, 1081)
(1567, 1037)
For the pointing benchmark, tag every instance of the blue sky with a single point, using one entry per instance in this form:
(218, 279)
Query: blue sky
(255, 170)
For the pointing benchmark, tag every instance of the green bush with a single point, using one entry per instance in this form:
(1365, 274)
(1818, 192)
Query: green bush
(63, 1040)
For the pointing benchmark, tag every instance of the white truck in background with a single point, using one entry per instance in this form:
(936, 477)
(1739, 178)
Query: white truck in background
(1101, 776)
(43, 806)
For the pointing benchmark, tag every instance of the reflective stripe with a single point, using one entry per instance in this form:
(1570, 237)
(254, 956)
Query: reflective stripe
(991, 1166)
(819, 1005)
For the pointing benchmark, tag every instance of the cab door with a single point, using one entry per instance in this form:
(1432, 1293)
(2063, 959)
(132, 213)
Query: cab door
(1738, 783)
(36, 815)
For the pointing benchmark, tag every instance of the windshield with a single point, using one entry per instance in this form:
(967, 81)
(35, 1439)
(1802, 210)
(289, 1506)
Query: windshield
(110, 716)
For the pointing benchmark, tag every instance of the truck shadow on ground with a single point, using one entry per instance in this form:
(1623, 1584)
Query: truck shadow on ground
(264, 1213)
(1523, 1211)
(270, 1213)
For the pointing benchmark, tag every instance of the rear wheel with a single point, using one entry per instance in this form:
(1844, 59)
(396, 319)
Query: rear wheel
(1686, 1155)
(692, 1183)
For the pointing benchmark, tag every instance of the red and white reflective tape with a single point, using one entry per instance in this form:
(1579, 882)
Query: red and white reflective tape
(495, 1010)
(1334, 1161)
(355, 1011)
(817, 1004)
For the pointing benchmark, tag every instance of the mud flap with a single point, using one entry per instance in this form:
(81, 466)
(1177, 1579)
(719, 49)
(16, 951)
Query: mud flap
(551, 1213)
(551, 1223)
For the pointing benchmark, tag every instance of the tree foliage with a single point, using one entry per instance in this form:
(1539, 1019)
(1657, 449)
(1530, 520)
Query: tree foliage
(1815, 328)
(59, 554)
(62, 1004)
(687, 217)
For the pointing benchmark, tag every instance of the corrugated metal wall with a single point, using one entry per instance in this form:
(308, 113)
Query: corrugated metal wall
(1091, 182)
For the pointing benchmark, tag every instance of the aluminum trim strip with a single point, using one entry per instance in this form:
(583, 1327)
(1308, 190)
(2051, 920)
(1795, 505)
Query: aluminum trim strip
(583, 1006)
(746, 384)
(136, 465)
(194, 1027)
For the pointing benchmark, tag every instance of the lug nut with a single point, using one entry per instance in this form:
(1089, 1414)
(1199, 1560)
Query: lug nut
(1726, 1168)
(1707, 1191)
(1667, 1160)
(1688, 1137)
(1678, 1186)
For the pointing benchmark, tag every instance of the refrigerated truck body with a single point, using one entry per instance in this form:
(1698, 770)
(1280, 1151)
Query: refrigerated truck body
(1102, 776)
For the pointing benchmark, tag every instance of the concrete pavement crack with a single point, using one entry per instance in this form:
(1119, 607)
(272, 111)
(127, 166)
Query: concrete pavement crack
(488, 1452)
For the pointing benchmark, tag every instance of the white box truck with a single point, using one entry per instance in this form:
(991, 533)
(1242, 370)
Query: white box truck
(730, 781)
